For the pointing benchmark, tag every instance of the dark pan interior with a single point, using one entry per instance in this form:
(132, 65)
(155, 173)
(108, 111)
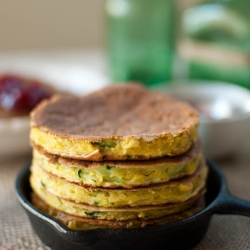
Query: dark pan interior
(214, 183)
(183, 234)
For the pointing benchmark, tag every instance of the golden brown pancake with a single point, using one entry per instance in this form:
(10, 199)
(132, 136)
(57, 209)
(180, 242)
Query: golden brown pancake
(125, 174)
(82, 223)
(170, 192)
(115, 123)
(120, 214)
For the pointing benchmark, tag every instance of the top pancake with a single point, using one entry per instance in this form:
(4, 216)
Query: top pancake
(116, 118)
(114, 112)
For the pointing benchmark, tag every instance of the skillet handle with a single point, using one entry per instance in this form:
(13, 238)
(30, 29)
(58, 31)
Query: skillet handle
(229, 204)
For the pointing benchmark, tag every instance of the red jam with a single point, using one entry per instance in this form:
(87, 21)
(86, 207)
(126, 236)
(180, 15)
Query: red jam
(21, 95)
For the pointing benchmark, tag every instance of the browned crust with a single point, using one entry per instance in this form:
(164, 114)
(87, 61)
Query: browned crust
(183, 180)
(181, 159)
(114, 112)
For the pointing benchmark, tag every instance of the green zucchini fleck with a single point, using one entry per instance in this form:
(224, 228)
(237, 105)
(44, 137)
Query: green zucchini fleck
(80, 174)
(105, 144)
(108, 167)
(92, 213)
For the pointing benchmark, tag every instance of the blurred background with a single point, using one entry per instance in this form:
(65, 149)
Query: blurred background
(144, 41)
(45, 24)
(82, 46)
(30, 24)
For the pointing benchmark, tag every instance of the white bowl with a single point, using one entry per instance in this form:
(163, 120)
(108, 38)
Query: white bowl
(224, 111)
(14, 134)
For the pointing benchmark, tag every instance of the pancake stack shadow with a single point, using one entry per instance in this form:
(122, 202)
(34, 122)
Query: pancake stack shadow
(147, 170)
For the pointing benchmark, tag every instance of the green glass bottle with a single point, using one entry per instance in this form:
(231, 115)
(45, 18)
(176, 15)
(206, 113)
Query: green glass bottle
(140, 40)
(216, 41)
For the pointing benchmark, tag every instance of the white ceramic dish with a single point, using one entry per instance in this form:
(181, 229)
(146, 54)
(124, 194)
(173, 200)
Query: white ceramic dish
(227, 127)
(14, 134)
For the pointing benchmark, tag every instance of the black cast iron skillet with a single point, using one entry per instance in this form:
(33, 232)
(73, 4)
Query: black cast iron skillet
(183, 234)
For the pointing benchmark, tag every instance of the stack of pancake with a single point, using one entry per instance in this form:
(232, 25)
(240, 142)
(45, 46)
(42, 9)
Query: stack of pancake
(120, 157)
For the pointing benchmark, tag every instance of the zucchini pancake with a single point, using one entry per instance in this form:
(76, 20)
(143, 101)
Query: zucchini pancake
(122, 122)
(121, 157)
(120, 173)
